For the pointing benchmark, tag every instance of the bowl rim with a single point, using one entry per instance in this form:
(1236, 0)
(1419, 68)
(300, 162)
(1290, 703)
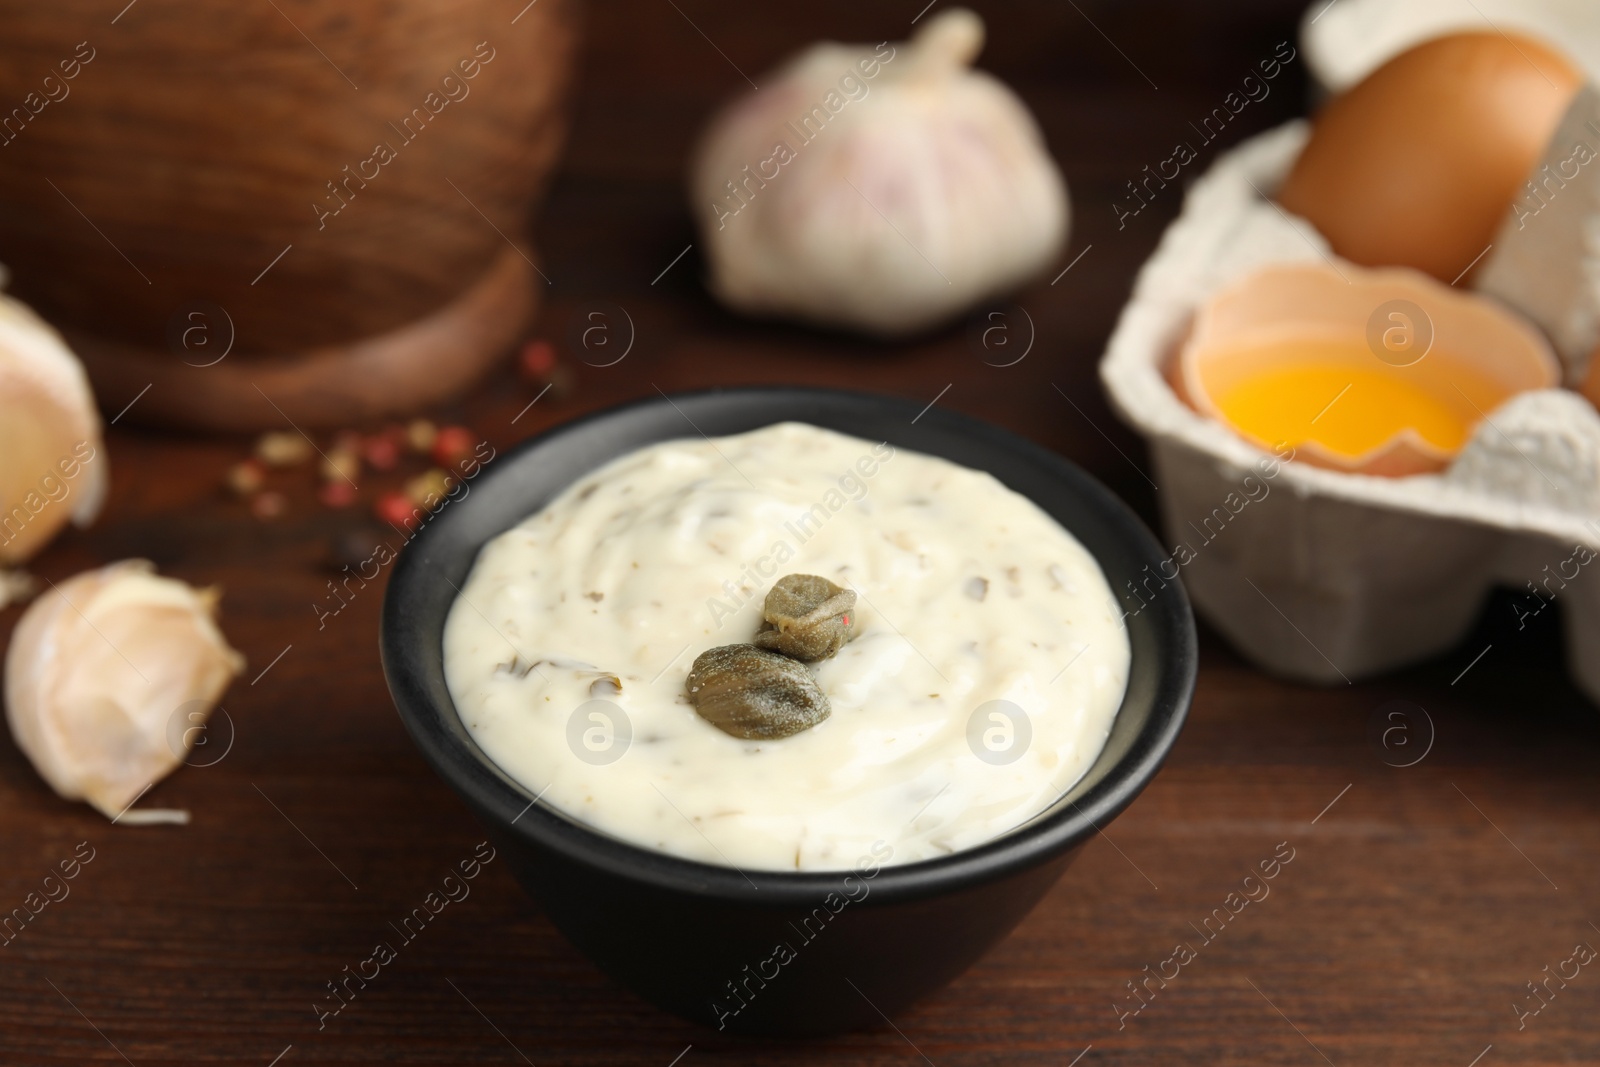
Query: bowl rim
(516, 810)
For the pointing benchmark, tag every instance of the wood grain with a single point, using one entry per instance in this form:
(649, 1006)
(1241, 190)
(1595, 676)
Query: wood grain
(1413, 912)
(388, 375)
(326, 175)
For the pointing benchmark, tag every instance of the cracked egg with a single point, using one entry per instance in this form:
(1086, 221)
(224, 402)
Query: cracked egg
(1383, 372)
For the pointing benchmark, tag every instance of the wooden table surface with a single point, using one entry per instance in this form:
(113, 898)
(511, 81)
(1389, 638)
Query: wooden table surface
(1420, 900)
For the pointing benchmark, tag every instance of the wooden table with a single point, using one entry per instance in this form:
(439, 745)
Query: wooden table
(1419, 900)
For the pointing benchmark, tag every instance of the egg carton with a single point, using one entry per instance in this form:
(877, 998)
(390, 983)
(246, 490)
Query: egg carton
(1346, 40)
(1326, 576)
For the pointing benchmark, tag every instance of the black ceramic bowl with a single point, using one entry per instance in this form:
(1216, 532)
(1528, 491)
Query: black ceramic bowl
(782, 952)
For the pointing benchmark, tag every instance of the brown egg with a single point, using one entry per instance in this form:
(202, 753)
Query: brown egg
(1417, 165)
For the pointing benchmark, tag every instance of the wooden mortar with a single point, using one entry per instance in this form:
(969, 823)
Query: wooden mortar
(227, 162)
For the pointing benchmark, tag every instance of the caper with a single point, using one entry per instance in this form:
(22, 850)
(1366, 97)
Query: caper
(807, 617)
(751, 693)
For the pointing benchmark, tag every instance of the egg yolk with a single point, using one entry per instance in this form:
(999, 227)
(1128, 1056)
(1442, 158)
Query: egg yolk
(1348, 401)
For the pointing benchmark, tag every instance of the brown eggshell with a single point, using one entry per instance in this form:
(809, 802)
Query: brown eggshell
(1416, 165)
(1288, 301)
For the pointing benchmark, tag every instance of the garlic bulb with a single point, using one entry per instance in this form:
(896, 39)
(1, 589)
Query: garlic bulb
(882, 189)
(99, 667)
(52, 462)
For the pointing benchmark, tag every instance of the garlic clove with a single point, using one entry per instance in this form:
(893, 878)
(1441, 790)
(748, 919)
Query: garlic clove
(881, 189)
(52, 467)
(97, 669)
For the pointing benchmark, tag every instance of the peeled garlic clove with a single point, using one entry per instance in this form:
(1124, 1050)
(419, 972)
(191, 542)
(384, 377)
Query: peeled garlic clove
(52, 466)
(97, 669)
(882, 189)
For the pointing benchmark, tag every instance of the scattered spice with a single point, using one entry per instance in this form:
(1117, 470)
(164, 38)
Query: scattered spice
(268, 505)
(396, 509)
(452, 445)
(420, 434)
(247, 477)
(429, 489)
(537, 360)
(283, 448)
(343, 464)
(401, 503)
(382, 451)
(340, 494)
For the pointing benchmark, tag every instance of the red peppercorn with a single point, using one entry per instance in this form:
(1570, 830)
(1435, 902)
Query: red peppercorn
(268, 505)
(452, 445)
(339, 494)
(538, 359)
(420, 434)
(397, 510)
(247, 477)
(382, 451)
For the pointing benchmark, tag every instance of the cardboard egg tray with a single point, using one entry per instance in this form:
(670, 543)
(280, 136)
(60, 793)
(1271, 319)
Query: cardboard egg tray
(1327, 576)
(1345, 40)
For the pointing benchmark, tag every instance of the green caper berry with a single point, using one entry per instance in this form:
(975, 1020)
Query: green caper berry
(754, 694)
(807, 617)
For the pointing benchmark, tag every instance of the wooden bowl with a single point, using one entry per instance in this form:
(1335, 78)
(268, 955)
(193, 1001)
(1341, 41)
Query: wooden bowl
(283, 210)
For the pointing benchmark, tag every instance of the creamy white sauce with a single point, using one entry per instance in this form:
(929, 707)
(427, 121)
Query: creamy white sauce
(968, 593)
